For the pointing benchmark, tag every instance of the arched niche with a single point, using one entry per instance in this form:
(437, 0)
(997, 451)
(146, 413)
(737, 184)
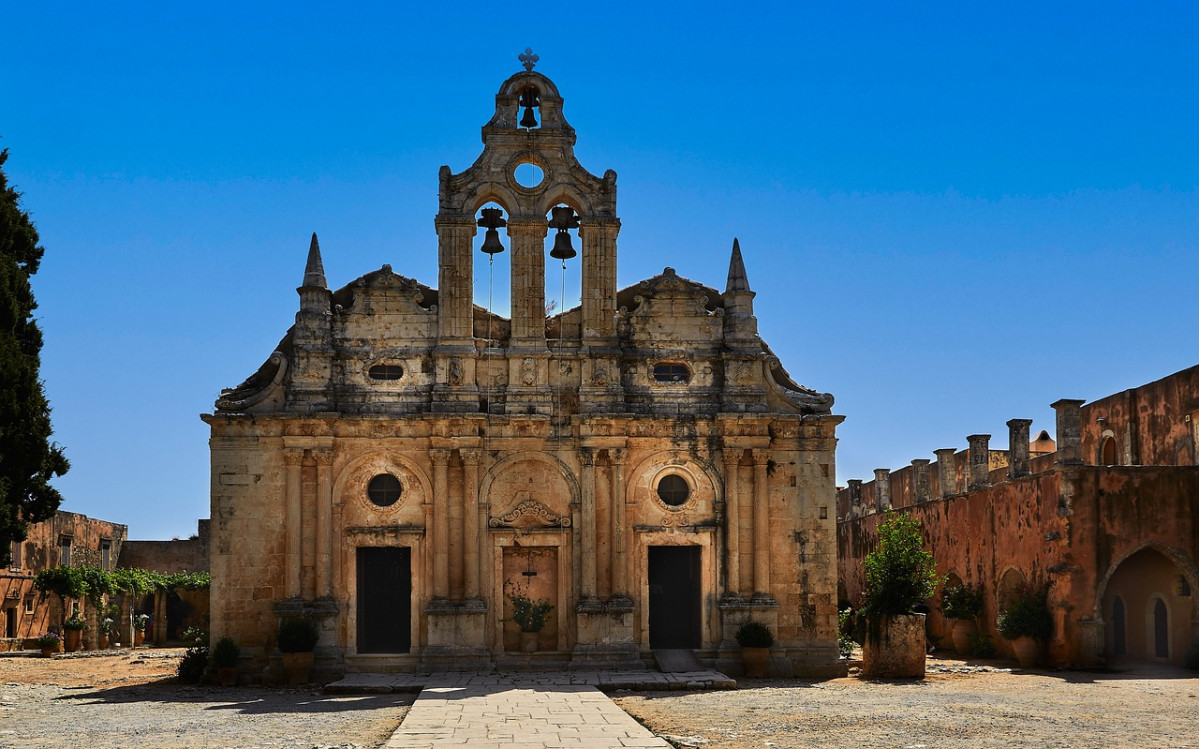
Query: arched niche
(350, 489)
(529, 476)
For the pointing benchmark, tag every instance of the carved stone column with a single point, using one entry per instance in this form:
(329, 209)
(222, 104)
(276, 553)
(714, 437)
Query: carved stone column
(619, 583)
(947, 473)
(293, 459)
(761, 524)
(855, 498)
(528, 283)
(455, 278)
(324, 522)
(1018, 464)
(587, 511)
(732, 464)
(980, 461)
(598, 237)
(470, 522)
(441, 523)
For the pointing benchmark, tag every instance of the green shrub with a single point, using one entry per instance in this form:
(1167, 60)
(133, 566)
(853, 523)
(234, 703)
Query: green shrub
(225, 653)
(981, 645)
(845, 632)
(528, 614)
(75, 622)
(963, 601)
(900, 573)
(297, 634)
(1028, 614)
(48, 640)
(1190, 659)
(193, 664)
(754, 634)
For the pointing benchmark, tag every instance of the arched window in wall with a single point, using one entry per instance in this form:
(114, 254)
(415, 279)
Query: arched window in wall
(1107, 452)
(1119, 642)
(1161, 629)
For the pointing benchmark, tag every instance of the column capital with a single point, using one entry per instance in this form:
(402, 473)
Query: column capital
(761, 456)
(920, 462)
(732, 457)
(440, 457)
(293, 456)
(528, 226)
(323, 458)
(1018, 423)
(469, 457)
(587, 456)
(616, 455)
(455, 220)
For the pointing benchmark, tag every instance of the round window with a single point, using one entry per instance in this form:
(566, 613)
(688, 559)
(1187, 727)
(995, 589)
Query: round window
(528, 175)
(673, 490)
(384, 490)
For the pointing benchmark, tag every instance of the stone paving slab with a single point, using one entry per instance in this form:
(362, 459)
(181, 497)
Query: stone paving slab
(514, 711)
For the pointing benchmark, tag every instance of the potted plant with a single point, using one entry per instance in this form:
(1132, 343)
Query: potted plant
(73, 632)
(297, 637)
(106, 625)
(962, 604)
(194, 663)
(140, 622)
(900, 575)
(1027, 622)
(224, 660)
(755, 639)
(529, 615)
(48, 643)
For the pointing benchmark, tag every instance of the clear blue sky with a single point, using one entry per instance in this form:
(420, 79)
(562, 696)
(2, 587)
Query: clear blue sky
(952, 215)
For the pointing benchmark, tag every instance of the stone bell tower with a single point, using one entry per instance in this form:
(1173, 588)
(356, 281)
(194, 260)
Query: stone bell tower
(527, 128)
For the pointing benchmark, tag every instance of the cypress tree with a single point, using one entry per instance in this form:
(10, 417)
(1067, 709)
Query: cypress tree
(28, 459)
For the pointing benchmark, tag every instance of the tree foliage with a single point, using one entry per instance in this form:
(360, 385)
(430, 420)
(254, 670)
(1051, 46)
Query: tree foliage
(28, 459)
(900, 573)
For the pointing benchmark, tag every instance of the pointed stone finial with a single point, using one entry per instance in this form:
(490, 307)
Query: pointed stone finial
(314, 271)
(738, 281)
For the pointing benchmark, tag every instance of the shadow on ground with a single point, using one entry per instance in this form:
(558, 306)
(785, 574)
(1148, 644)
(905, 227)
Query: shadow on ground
(245, 700)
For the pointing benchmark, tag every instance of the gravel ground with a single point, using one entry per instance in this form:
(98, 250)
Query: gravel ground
(956, 705)
(132, 700)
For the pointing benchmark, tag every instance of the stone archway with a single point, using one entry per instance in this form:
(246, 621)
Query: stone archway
(1150, 593)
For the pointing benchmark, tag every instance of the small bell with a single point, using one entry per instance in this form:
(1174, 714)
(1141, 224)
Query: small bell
(529, 100)
(562, 248)
(492, 219)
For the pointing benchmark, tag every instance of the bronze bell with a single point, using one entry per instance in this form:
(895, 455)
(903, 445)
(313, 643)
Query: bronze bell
(529, 100)
(492, 219)
(562, 248)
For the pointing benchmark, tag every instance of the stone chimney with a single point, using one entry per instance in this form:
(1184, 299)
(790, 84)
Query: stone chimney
(1069, 431)
(882, 488)
(980, 460)
(947, 471)
(920, 480)
(855, 498)
(1018, 447)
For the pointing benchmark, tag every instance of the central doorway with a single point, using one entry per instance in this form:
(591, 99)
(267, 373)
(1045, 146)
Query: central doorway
(674, 597)
(384, 599)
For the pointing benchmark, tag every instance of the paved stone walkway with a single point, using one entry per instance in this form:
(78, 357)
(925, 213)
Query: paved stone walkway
(527, 710)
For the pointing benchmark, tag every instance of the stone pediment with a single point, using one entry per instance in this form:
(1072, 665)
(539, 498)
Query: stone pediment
(669, 291)
(530, 514)
(411, 295)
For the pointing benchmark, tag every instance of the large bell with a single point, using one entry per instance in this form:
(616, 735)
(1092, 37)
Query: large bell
(491, 242)
(562, 248)
(529, 100)
(528, 120)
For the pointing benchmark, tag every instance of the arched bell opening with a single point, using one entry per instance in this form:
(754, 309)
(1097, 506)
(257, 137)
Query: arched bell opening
(563, 277)
(492, 297)
(529, 105)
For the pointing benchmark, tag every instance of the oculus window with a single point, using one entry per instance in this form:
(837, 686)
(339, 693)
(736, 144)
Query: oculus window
(384, 490)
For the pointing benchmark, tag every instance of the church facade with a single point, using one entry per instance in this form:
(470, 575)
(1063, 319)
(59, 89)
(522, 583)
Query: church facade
(413, 470)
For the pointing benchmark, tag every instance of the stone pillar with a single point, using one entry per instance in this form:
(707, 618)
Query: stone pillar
(324, 522)
(455, 277)
(980, 461)
(947, 471)
(1017, 430)
(587, 512)
(598, 237)
(470, 523)
(619, 584)
(732, 510)
(528, 283)
(1069, 431)
(855, 498)
(920, 480)
(294, 460)
(441, 523)
(761, 524)
(882, 489)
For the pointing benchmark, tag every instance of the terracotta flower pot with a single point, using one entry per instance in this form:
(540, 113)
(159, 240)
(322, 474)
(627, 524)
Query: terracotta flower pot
(227, 676)
(755, 661)
(139, 636)
(49, 650)
(528, 642)
(103, 641)
(1027, 650)
(963, 630)
(73, 640)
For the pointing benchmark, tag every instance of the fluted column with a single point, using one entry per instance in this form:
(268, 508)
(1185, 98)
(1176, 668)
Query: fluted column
(732, 510)
(619, 584)
(324, 522)
(470, 523)
(455, 277)
(587, 511)
(441, 523)
(528, 282)
(293, 459)
(761, 524)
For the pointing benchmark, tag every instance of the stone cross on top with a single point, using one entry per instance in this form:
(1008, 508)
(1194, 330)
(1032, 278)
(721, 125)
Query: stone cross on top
(528, 58)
